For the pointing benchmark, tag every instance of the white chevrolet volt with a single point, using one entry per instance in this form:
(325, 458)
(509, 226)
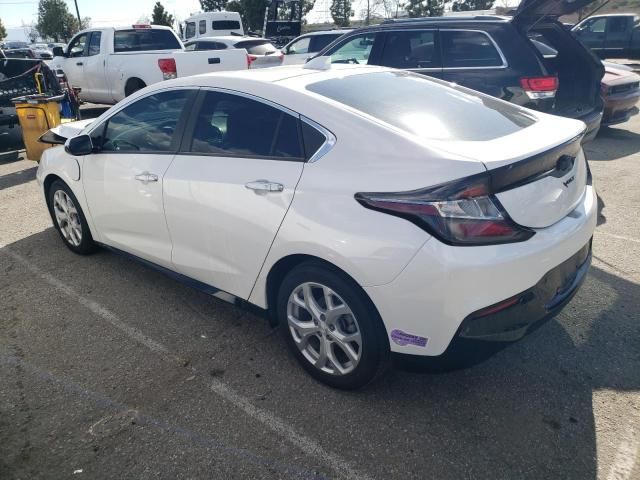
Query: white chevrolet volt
(365, 210)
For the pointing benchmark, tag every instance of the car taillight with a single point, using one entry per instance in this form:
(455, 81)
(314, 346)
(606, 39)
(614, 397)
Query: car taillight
(456, 213)
(168, 68)
(540, 87)
(250, 59)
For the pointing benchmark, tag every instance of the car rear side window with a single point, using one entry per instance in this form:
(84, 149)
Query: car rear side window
(464, 49)
(139, 39)
(225, 25)
(147, 125)
(410, 49)
(436, 111)
(313, 139)
(233, 125)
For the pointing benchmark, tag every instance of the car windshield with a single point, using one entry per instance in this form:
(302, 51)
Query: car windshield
(424, 107)
(256, 47)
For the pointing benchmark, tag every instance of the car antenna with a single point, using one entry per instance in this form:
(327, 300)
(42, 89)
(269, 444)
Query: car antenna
(319, 63)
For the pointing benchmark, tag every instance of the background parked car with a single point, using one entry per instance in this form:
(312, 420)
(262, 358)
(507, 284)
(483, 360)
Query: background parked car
(300, 49)
(260, 51)
(212, 24)
(42, 51)
(18, 50)
(493, 55)
(611, 36)
(621, 92)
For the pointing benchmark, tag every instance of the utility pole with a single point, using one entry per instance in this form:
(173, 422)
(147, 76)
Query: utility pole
(78, 13)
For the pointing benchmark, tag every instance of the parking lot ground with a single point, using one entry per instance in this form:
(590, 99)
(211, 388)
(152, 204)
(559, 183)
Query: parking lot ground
(111, 370)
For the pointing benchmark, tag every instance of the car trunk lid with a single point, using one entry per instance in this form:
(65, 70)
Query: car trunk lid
(538, 174)
(530, 12)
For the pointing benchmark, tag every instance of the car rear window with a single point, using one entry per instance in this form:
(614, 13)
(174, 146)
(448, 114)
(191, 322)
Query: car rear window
(225, 25)
(256, 47)
(137, 40)
(433, 112)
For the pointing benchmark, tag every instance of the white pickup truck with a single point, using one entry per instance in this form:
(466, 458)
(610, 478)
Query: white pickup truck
(108, 64)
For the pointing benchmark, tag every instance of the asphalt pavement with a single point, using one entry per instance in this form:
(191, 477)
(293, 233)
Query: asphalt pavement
(111, 370)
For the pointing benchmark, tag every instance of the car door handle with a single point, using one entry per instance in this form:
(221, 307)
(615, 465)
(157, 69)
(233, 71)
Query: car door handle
(79, 64)
(146, 177)
(264, 186)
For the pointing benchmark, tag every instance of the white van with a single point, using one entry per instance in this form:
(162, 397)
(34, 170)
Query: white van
(212, 24)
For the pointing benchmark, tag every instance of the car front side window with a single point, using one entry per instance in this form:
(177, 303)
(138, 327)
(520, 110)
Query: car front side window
(354, 50)
(410, 49)
(78, 45)
(147, 125)
(94, 43)
(301, 46)
(233, 125)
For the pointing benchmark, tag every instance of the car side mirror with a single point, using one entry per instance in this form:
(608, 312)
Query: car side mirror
(58, 52)
(79, 146)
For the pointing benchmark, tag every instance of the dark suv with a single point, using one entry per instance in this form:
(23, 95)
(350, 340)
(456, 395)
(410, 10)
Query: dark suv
(500, 56)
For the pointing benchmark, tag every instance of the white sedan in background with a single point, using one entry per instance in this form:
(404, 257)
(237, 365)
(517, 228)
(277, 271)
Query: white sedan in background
(260, 51)
(363, 224)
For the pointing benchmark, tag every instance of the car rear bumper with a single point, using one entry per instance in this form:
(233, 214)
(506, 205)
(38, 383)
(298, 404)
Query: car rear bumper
(593, 121)
(619, 108)
(447, 296)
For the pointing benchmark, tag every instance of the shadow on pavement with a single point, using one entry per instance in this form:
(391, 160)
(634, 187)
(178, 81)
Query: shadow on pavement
(525, 413)
(17, 178)
(613, 143)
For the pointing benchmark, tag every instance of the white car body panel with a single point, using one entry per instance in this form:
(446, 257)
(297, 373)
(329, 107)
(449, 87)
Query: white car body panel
(201, 221)
(111, 190)
(221, 230)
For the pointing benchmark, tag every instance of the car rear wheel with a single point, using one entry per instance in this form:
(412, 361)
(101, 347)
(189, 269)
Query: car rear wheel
(331, 326)
(69, 219)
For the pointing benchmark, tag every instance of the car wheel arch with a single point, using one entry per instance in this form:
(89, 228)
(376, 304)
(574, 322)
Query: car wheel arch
(286, 264)
(132, 85)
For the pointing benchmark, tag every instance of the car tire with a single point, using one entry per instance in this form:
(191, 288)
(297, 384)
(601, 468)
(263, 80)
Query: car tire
(344, 346)
(68, 219)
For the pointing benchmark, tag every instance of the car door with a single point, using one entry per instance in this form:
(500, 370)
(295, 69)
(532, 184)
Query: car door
(592, 33)
(94, 70)
(472, 58)
(617, 35)
(229, 188)
(123, 179)
(74, 63)
(415, 50)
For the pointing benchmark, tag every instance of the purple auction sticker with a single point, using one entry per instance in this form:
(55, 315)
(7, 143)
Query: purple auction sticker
(401, 338)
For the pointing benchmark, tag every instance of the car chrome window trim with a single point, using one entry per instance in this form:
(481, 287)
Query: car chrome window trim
(330, 140)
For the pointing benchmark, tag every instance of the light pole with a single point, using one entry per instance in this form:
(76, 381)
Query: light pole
(78, 13)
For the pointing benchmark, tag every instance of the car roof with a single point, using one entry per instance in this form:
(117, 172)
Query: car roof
(228, 38)
(335, 31)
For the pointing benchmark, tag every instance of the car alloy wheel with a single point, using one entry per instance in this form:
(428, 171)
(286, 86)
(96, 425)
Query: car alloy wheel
(67, 218)
(324, 328)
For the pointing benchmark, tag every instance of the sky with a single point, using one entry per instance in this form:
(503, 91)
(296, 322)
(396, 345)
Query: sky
(15, 13)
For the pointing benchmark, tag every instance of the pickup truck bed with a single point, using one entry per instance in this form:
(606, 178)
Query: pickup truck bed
(108, 64)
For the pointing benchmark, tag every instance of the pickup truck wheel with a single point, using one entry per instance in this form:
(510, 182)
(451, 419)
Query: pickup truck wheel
(133, 85)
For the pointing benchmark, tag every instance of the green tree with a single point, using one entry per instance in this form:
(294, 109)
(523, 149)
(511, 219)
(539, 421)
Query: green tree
(160, 16)
(468, 5)
(55, 21)
(251, 11)
(213, 5)
(3, 31)
(425, 8)
(341, 12)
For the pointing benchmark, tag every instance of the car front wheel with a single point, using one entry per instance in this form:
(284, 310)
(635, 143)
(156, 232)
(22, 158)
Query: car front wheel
(69, 219)
(331, 326)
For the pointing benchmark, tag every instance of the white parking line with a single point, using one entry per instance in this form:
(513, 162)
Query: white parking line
(306, 444)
